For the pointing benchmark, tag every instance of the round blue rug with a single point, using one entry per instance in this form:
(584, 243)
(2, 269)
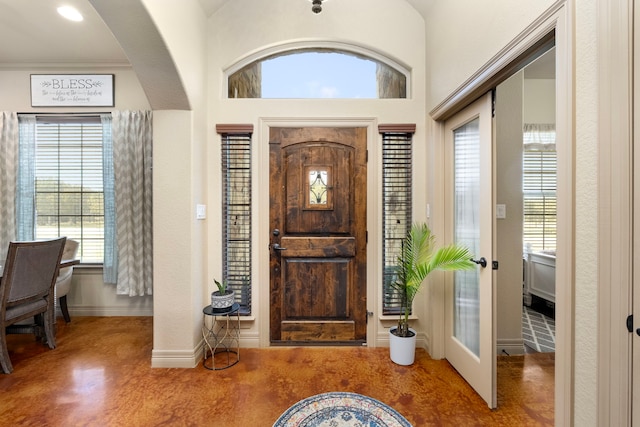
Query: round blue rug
(341, 409)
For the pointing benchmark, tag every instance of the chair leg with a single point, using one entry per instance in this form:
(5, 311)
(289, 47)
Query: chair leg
(7, 367)
(64, 308)
(50, 327)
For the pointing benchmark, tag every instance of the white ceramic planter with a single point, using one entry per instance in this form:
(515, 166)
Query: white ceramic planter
(220, 302)
(402, 349)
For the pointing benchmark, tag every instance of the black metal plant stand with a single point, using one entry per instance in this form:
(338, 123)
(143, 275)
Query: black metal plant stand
(221, 333)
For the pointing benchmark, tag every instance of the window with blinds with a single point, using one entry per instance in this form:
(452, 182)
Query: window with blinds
(68, 184)
(236, 216)
(396, 210)
(539, 190)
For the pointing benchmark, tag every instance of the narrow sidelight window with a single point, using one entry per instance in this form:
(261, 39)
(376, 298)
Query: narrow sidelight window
(236, 213)
(396, 205)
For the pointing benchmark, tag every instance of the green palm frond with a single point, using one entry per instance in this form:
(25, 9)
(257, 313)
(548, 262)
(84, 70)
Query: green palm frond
(418, 258)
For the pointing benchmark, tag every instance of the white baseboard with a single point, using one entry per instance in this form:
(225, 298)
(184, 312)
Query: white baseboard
(511, 347)
(382, 340)
(176, 358)
(108, 311)
(192, 358)
(250, 341)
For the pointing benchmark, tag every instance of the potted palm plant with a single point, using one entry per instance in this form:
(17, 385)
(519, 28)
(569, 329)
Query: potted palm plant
(417, 259)
(223, 298)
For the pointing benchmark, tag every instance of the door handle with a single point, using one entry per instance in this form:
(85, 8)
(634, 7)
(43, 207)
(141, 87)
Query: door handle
(482, 261)
(277, 247)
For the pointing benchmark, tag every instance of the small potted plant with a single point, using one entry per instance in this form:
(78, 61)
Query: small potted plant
(223, 298)
(417, 259)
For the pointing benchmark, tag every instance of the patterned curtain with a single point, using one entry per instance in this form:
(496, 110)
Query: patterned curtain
(132, 157)
(110, 261)
(26, 183)
(8, 178)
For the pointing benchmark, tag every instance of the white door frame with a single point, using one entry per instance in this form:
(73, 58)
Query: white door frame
(618, 350)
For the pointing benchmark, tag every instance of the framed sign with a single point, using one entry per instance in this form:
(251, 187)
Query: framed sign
(72, 90)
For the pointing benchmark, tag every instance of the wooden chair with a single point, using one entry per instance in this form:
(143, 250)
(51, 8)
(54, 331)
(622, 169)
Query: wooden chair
(27, 289)
(63, 282)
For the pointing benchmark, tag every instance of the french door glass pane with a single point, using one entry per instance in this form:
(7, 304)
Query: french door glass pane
(466, 309)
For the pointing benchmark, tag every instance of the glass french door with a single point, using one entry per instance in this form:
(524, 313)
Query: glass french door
(470, 344)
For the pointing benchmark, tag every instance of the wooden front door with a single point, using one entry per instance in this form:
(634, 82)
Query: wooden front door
(317, 217)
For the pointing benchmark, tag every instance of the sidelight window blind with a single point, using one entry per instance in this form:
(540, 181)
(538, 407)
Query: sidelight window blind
(396, 209)
(236, 216)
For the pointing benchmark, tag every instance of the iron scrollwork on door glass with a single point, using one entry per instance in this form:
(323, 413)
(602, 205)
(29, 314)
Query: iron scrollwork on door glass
(318, 187)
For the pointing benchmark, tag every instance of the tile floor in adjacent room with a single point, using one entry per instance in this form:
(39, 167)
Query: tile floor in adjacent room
(538, 329)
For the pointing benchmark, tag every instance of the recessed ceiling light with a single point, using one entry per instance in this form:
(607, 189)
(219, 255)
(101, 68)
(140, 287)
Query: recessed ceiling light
(70, 13)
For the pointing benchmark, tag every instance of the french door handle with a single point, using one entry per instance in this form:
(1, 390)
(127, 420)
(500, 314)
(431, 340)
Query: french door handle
(277, 247)
(482, 261)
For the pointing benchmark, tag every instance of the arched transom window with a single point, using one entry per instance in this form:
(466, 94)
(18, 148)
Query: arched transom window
(317, 73)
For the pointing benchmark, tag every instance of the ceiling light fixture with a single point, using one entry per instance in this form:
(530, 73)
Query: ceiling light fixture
(70, 13)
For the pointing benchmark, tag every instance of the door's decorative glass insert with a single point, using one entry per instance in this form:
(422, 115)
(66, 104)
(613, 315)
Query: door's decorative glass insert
(466, 309)
(317, 183)
(318, 187)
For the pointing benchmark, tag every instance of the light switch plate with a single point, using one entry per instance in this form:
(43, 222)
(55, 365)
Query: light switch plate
(501, 211)
(201, 211)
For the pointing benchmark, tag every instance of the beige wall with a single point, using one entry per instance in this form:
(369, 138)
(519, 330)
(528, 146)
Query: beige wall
(180, 183)
(16, 95)
(445, 51)
(463, 36)
(518, 101)
(508, 123)
(540, 95)
(282, 26)
(586, 212)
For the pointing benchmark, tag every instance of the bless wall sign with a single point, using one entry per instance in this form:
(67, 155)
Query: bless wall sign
(72, 90)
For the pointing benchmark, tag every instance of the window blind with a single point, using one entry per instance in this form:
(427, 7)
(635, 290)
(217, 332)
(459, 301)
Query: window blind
(396, 210)
(236, 212)
(69, 186)
(539, 195)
